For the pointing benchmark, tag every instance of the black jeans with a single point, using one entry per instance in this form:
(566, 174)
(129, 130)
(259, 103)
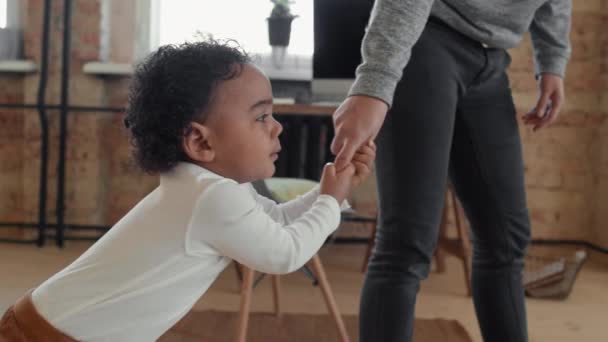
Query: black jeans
(453, 114)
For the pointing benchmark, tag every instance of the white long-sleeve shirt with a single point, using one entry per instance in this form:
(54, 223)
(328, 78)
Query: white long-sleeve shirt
(149, 270)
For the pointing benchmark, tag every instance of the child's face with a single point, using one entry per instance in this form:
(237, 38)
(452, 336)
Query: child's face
(244, 134)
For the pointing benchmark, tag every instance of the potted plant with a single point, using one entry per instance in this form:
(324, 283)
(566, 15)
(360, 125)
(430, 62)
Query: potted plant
(279, 23)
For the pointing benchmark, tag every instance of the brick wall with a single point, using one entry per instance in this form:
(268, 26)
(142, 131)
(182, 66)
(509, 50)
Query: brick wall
(11, 151)
(566, 164)
(99, 186)
(82, 167)
(600, 200)
(563, 163)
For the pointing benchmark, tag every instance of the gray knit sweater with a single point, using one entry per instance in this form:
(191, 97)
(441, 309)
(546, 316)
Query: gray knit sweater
(395, 25)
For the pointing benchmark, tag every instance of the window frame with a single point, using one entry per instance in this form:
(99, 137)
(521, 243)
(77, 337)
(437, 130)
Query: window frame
(147, 36)
(13, 14)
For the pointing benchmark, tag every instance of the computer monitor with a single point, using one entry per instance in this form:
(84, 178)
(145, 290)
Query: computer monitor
(339, 26)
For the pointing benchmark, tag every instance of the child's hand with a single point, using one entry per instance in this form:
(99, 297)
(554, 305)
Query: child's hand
(363, 161)
(337, 184)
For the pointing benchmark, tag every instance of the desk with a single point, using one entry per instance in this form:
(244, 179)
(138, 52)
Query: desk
(307, 134)
(304, 109)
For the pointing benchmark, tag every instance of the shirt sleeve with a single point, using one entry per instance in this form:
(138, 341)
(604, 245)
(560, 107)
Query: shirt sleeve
(550, 34)
(393, 29)
(228, 219)
(287, 212)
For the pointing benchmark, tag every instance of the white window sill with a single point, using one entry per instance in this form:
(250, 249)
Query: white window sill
(108, 69)
(18, 66)
(294, 68)
(287, 74)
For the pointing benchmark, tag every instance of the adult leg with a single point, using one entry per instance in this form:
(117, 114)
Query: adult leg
(487, 172)
(411, 167)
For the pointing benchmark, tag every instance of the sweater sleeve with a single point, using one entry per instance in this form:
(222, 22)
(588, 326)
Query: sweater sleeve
(550, 34)
(393, 28)
(228, 219)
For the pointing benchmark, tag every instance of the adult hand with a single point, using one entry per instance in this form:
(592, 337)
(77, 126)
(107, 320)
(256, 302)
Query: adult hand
(549, 104)
(356, 121)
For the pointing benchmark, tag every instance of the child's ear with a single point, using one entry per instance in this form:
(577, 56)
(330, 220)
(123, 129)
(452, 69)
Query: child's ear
(196, 143)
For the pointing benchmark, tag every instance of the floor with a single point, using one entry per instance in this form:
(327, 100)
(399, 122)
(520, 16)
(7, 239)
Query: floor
(582, 317)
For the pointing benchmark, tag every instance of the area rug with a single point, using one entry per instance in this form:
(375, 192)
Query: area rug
(220, 326)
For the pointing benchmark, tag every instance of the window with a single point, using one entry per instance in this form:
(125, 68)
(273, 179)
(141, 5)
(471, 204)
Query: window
(3, 13)
(160, 22)
(10, 13)
(242, 20)
(11, 37)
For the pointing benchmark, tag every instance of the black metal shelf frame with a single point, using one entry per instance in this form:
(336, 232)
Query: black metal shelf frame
(64, 108)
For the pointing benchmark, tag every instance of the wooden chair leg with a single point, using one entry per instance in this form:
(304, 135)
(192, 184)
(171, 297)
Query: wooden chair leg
(239, 274)
(439, 250)
(276, 294)
(465, 244)
(246, 292)
(329, 297)
(370, 247)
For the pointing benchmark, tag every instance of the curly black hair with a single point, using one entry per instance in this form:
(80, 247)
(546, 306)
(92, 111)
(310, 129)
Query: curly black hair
(171, 88)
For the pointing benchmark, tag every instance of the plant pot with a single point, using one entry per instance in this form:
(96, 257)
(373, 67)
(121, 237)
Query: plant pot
(279, 30)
